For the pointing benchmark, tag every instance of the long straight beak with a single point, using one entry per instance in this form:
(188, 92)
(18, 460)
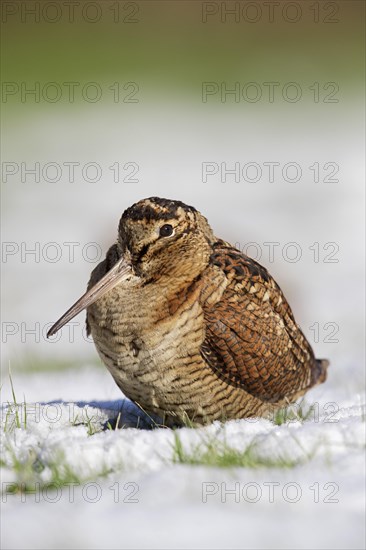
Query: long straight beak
(116, 275)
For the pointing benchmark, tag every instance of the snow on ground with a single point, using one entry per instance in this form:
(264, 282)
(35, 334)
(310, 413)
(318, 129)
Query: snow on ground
(302, 487)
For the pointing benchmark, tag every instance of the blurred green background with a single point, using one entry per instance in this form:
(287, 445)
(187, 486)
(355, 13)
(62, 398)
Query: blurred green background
(168, 46)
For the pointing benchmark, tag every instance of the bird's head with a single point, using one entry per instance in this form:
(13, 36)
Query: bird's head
(164, 238)
(158, 239)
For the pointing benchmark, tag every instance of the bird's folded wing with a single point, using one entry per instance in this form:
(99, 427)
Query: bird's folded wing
(252, 340)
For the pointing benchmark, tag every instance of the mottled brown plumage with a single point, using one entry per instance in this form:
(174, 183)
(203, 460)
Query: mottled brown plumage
(188, 326)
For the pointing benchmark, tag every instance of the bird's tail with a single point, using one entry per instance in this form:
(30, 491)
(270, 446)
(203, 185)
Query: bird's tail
(319, 372)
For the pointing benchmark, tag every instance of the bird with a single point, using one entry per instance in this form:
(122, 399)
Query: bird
(191, 329)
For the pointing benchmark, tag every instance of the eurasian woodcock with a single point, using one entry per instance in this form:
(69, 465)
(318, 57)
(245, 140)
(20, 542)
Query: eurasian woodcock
(189, 327)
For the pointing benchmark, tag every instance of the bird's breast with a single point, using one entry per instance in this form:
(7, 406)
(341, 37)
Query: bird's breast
(146, 338)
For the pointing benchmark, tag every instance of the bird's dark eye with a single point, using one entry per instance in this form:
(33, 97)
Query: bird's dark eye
(166, 230)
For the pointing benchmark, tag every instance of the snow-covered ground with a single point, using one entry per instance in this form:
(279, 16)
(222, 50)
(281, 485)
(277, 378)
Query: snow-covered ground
(303, 485)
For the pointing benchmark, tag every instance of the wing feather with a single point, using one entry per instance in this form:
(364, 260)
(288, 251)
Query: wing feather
(252, 339)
